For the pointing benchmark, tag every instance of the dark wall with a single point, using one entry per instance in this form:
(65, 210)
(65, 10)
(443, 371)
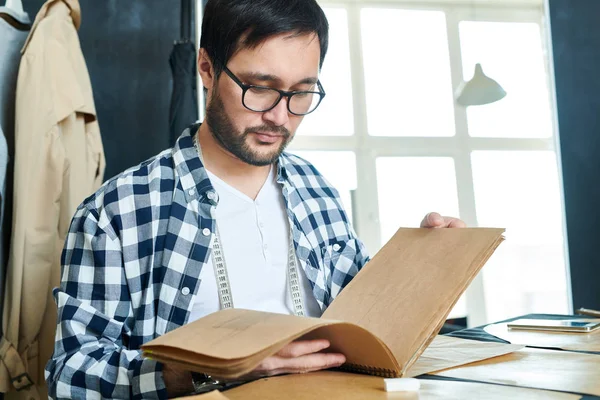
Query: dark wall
(576, 46)
(127, 44)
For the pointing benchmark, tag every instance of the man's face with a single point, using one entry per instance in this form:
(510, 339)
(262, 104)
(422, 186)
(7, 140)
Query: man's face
(281, 62)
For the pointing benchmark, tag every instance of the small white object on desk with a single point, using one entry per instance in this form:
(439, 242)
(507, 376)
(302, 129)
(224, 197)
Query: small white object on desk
(402, 385)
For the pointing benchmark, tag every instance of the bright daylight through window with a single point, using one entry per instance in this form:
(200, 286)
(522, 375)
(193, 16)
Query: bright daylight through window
(391, 138)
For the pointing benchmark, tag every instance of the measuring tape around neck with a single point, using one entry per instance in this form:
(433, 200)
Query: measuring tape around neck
(220, 267)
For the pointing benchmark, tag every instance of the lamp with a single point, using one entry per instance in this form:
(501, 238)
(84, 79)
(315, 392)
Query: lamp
(480, 90)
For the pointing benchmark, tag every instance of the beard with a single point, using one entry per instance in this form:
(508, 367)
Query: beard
(236, 142)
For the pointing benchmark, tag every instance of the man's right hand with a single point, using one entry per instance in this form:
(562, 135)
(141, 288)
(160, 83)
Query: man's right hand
(296, 358)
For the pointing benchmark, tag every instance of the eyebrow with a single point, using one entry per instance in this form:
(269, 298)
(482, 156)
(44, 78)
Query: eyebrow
(272, 78)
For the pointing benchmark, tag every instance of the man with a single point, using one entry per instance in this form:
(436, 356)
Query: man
(223, 219)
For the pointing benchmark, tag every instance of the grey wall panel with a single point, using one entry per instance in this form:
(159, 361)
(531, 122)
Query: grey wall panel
(576, 47)
(126, 44)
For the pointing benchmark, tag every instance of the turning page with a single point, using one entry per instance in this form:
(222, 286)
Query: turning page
(404, 294)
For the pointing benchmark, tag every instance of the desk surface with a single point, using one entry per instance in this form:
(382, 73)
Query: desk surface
(340, 385)
(480, 334)
(328, 384)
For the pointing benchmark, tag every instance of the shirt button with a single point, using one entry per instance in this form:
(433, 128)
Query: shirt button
(336, 247)
(212, 196)
(265, 247)
(206, 232)
(185, 291)
(191, 192)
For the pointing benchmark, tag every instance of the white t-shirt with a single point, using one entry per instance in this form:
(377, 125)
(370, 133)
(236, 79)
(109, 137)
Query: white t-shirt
(255, 243)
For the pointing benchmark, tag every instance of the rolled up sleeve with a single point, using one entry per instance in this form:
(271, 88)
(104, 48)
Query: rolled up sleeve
(91, 357)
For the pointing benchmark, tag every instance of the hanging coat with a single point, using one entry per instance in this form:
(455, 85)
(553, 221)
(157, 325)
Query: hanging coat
(59, 161)
(184, 100)
(14, 28)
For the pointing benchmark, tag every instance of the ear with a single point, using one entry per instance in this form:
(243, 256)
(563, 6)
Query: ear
(206, 70)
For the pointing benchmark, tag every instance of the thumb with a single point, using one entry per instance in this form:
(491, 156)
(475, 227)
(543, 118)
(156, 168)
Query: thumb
(432, 220)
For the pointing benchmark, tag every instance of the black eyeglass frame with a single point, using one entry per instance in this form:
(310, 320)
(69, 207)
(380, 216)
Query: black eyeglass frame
(282, 93)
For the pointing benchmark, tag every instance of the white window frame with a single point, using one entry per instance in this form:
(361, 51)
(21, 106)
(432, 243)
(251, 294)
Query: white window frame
(367, 148)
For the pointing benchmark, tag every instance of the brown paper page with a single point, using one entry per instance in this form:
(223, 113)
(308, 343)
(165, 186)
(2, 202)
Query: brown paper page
(253, 330)
(214, 395)
(446, 352)
(233, 342)
(536, 368)
(335, 385)
(558, 340)
(406, 292)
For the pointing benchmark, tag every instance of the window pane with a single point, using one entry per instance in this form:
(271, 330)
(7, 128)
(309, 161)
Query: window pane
(407, 73)
(510, 53)
(411, 187)
(519, 191)
(335, 114)
(339, 168)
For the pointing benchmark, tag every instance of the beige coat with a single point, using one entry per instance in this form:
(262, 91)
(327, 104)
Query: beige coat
(59, 161)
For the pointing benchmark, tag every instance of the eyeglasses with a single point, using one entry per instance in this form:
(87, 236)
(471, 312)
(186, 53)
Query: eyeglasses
(262, 98)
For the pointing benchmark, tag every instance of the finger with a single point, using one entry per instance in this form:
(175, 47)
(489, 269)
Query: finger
(432, 220)
(456, 223)
(303, 347)
(304, 364)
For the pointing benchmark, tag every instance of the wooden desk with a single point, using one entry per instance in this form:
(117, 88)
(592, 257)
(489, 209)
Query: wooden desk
(455, 383)
(330, 385)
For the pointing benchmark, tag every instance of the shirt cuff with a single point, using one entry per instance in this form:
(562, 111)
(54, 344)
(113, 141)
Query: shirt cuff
(148, 382)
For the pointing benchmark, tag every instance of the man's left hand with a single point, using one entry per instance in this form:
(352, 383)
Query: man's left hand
(435, 220)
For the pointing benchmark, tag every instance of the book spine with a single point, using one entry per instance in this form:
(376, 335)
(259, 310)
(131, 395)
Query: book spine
(369, 370)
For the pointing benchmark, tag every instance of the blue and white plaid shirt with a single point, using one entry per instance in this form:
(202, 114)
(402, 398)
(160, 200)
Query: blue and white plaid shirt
(132, 262)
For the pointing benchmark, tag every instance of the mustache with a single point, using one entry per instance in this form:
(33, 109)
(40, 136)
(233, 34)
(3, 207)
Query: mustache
(268, 129)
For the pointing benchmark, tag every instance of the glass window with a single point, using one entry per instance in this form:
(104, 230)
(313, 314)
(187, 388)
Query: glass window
(407, 73)
(335, 116)
(510, 53)
(410, 187)
(519, 191)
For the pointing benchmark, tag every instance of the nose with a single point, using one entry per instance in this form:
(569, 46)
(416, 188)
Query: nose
(279, 115)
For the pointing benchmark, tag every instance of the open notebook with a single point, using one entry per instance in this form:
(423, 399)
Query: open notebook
(382, 321)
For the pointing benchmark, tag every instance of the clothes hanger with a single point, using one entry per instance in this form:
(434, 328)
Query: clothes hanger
(12, 21)
(16, 16)
(15, 5)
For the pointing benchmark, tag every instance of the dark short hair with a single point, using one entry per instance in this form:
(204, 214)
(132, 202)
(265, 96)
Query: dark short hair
(231, 25)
